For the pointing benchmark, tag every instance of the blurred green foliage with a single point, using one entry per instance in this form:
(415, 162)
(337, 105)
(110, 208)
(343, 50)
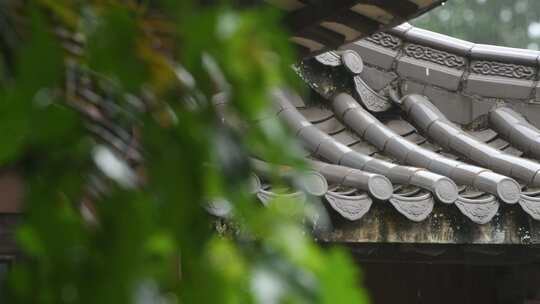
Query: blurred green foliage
(498, 22)
(150, 240)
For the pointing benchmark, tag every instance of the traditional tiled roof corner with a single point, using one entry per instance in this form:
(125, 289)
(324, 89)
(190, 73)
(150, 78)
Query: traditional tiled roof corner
(394, 151)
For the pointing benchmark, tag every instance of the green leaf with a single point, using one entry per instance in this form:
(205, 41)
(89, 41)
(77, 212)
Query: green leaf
(113, 48)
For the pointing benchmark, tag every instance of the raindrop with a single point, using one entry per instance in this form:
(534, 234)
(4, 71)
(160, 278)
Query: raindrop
(468, 15)
(521, 7)
(444, 16)
(534, 30)
(506, 15)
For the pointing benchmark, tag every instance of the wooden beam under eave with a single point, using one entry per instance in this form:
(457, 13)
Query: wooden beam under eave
(11, 191)
(355, 21)
(8, 227)
(401, 9)
(327, 37)
(314, 14)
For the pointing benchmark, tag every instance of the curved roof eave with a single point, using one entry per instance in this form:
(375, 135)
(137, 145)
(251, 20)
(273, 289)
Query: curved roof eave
(464, 47)
(452, 66)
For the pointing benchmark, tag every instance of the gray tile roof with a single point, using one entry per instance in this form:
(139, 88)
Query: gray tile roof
(441, 157)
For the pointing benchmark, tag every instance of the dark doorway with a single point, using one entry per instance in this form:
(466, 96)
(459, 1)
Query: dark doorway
(406, 283)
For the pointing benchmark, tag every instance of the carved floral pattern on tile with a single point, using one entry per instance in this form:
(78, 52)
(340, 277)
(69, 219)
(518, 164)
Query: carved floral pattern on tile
(493, 68)
(385, 40)
(436, 56)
